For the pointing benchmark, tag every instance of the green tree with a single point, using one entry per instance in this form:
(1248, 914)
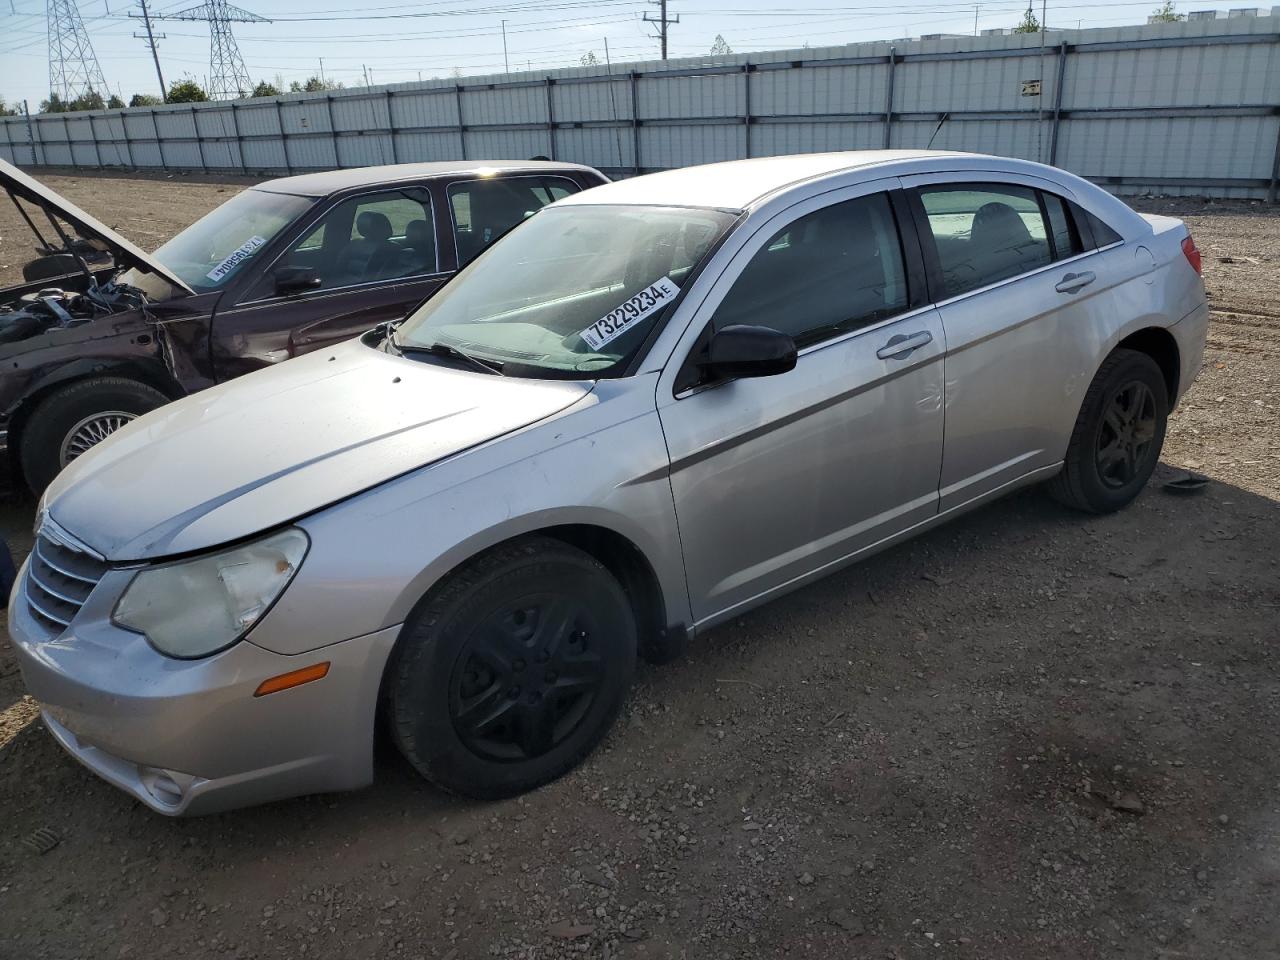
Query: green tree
(1166, 14)
(89, 100)
(144, 100)
(314, 85)
(185, 91)
(115, 103)
(589, 59)
(721, 47)
(265, 89)
(6, 110)
(55, 104)
(1029, 23)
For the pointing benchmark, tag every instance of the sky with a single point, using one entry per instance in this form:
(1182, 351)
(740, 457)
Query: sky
(399, 42)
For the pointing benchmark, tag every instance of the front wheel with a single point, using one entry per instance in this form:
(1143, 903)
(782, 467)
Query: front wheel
(1118, 435)
(513, 670)
(71, 420)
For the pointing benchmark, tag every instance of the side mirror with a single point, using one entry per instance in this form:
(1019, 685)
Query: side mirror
(745, 351)
(295, 279)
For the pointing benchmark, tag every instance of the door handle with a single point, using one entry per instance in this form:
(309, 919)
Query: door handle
(901, 346)
(1074, 282)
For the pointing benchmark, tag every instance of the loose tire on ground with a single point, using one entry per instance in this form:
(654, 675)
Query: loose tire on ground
(1118, 435)
(60, 413)
(512, 671)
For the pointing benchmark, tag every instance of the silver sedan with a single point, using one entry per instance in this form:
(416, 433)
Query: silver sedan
(650, 407)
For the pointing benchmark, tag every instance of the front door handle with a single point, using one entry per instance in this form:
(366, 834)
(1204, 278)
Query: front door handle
(901, 346)
(1075, 282)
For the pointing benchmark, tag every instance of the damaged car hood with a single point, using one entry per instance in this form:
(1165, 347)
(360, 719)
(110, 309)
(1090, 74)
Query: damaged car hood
(126, 254)
(267, 448)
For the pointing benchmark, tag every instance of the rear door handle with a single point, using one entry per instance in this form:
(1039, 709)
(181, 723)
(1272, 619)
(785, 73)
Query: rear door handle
(903, 345)
(1074, 282)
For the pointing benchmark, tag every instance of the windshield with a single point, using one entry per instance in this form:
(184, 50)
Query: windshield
(572, 291)
(216, 247)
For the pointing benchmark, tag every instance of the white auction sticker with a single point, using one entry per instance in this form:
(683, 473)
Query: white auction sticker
(238, 255)
(618, 321)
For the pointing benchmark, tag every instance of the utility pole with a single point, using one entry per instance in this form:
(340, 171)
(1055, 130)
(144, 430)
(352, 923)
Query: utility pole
(506, 66)
(663, 22)
(975, 19)
(151, 39)
(322, 70)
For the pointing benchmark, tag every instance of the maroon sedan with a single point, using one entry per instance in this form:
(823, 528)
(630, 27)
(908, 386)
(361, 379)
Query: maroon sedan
(102, 332)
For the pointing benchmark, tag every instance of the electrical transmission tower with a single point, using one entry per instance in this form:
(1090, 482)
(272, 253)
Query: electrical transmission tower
(228, 78)
(73, 66)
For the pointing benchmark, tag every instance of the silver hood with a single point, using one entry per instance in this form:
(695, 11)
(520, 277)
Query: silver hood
(125, 253)
(274, 445)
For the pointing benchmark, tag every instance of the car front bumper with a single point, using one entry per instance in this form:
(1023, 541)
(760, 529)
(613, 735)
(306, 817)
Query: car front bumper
(189, 737)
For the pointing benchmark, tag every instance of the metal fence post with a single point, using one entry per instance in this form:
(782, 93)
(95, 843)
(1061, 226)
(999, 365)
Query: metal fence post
(551, 118)
(235, 128)
(391, 128)
(746, 110)
(284, 140)
(888, 100)
(195, 128)
(124, 132)
(155, 125)
(1275, 172)
(66, 135)
(462, 131)
(635, 122)
(333, 131)
(1057, 103)
(93, 135)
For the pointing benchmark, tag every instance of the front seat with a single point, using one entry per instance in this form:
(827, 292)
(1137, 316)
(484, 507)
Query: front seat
(369, 254)
(419, 253)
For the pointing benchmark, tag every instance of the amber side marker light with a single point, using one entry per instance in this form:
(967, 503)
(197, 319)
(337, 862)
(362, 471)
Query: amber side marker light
(294, 678)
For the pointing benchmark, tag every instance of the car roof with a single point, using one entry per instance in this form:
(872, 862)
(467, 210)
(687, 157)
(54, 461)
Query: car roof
(738, 184)
(331, 181)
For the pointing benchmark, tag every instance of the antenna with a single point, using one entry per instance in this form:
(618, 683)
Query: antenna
(73, 66)
(228, 77)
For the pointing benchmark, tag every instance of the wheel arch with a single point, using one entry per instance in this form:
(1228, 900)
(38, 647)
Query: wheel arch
(152, 373)
(1162, 347)
(660, 638)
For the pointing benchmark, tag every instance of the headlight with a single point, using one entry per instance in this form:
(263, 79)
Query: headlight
(193, 608)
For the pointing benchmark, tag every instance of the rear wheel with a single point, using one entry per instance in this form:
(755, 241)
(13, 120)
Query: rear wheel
(513, 670)
(71, 420)
(1118, 435)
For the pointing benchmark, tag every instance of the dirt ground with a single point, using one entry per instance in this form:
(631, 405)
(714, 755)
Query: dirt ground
(1027, 734)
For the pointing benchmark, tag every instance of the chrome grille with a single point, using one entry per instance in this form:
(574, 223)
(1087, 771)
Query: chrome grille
(59, 580)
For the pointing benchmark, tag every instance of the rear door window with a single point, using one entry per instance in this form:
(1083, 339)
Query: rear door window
(484, 210)
(1066, 239)
(985, 233)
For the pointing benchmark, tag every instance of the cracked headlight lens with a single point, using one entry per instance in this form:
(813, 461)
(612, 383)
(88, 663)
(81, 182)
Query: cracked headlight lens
(193, 608)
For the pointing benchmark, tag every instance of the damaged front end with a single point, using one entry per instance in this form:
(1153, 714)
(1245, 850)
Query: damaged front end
(32, 314)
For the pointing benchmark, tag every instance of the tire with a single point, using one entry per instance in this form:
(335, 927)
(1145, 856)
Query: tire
(479, 696)
(1118, 435)
(49, 441)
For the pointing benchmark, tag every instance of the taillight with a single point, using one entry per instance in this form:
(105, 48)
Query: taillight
(1192, 254)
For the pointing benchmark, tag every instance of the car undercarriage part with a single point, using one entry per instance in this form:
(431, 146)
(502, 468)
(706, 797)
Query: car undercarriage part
(37, 312)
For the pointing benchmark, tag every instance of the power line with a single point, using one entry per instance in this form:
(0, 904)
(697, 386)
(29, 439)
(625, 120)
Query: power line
(151, 38)
(663, 21)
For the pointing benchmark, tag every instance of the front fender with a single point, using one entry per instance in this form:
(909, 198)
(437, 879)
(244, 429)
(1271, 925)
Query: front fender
(373, 557)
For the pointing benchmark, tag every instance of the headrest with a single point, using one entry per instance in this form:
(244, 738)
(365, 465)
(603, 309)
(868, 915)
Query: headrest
(373, 226)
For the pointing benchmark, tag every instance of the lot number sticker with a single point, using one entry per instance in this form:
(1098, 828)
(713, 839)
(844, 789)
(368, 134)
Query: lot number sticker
(238, 255)
(618, 321)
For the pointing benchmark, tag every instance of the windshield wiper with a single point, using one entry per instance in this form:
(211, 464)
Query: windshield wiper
(446, 350)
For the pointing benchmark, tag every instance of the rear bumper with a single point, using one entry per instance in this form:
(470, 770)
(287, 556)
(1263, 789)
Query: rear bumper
(189, 737)
(1190, 332)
